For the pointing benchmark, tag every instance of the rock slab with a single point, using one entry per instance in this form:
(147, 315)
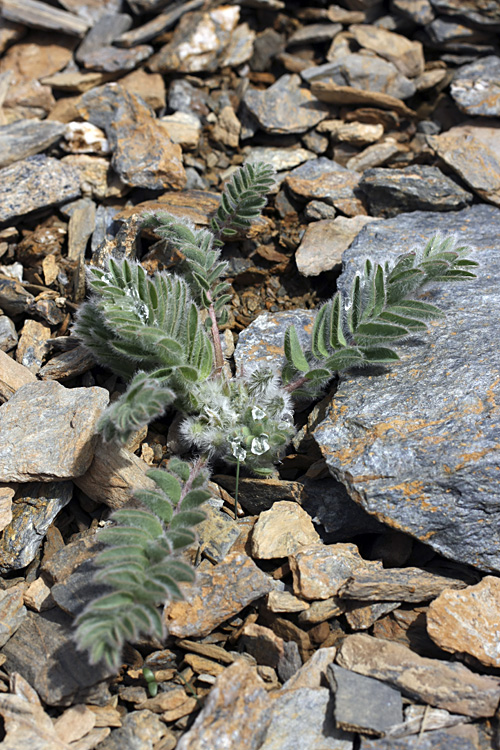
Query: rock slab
(49, 432)
(415, 444)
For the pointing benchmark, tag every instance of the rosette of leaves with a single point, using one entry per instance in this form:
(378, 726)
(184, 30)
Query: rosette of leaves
(380, 309)
(141, 564)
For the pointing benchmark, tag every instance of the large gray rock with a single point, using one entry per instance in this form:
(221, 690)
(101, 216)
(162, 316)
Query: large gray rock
(475, 87)
(36, 182)
(49, 432)
(416, 444)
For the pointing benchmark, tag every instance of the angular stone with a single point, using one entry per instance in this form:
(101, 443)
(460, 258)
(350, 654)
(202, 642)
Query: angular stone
(240, 47)
(314, 33)
(476, 12)
(313, 673)
(39, 54)
(285, 107)
(266, 647)
(325, 241)
(396, 439)
(475, 87)
(466, 622)
(320, 570)
(282, 530)
(374, 156)
(471, 151)
(43, 651)
(442, 684)
(199, 40)
(6, 496)
(216, 534)
(301, 718)
(25, 138)
(36, 182)
(285, 601)
(40, 16)
(37, 596)
(328, 181)
(414, 722)
(12, 376)
(219, 593)
(8, 334)
(415, 188)
(12, 612)
(236, 713)
(183, 128)
(333, 93)
(418, 11)
(143, 154)
(407, 56)
(102, 34)
(48, 431)
(318, 210)
(14, 299)
(140, 730)
(280, 158)
(397, 584)
(149, 86)
(10, 32)
(97, 177)
(85, 138)
(32, 345)
(261, 343)
(68, 81)
(35, 508)
(462, 737)
(353, 133)
(321, 611)
(363, 704)
(360, 616)
(116, 60)
(366, 72)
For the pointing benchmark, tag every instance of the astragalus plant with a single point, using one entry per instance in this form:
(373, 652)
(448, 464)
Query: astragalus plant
(161, 335)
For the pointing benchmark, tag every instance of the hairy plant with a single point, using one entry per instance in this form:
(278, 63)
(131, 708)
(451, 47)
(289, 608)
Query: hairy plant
(161, 335)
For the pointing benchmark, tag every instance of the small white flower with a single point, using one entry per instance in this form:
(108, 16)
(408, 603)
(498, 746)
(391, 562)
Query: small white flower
(238, 452)
(260, 445)
(257, 412)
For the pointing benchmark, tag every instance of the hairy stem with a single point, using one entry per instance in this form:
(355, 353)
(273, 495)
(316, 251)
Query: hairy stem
(291, 387)
(219, 356)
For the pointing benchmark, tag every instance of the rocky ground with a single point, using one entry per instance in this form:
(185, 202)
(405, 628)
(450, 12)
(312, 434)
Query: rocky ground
(355, 604)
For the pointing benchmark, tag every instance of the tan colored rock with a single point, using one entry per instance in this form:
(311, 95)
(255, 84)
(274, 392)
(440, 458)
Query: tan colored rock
(97, 177)
(285, 601)
(313, 673)
(468, 621)
(319, 570)
(10, 32)
(149, 86)
(397, 584)
(375, 155)
(227, 128)
(183, 128)
(265, 646)
(12, 376)
(37, 596)
(74, 80)
(220, 592)
(353, 133)
(407, 56)
(322, 610)
(325, 241)
(331, 93)
(32, 344)
(48, 431)
(471, 150)
(36, 56)
(235, 715)
(446, 685)
(361, 616)
(12, 611)
(282, 530)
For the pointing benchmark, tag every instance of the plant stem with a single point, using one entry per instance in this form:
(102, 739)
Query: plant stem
(236, 490)
(291, 387)
(219, 356)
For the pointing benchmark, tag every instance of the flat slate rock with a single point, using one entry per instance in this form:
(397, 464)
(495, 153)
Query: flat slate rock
(366, 72)
(476, 87)
(285, 107)
(49, 432)
(438, 683)
(35, 508)
(471, 150)
(397, 584)
(36, 182)
(362, 703)
(43, 651)
(324, 179)
(143, 154)
(414, 188)
(416, 444)
(24, 138)
(441, 739)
